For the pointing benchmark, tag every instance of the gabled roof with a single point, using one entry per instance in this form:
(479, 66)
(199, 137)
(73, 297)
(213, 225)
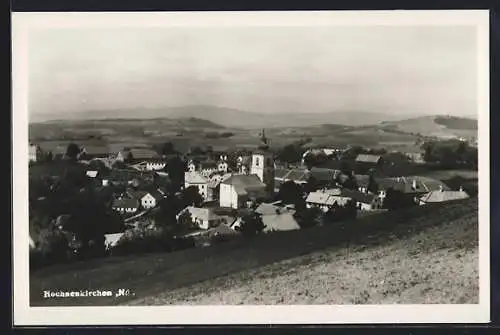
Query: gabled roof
(141, 153)
(324, 174)
(111, 240)
(406, 184)
(358, 196)
(442, 196)
(280, 222)
(297, 175)
(205, 214)
(126, 203)
(321, 198)
(244, 180)
(367, 158)
(194, 178)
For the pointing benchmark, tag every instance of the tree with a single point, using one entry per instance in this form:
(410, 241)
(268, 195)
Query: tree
(290, 193)
(307, 217)
(196, 151)
(185, 220)
(291, 153)
(315, 159)
(72, 151)
(129, 157)
(372, 184)
(191, 197)
(167, 149)
(251, 224)
(176, 168)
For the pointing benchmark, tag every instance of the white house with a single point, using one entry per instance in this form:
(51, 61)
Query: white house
(204, 218)
(236, 190)
(199, 181)
(147, 199)
(325, 199)
(34, 152)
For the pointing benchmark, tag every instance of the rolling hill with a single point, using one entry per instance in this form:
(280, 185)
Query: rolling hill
(441, 126)
(230, 117)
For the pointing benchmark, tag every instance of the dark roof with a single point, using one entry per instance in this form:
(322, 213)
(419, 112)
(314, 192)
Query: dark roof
(406, 184)
(141, 153)
(358, 196)
(126, 203)
(324, 174)
(297, 175)
(367, 158)
(362, 180)
(246, 184)
(208, 165)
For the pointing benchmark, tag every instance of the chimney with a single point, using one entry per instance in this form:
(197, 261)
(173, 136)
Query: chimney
(461, 189)
(414, 184)
(440, 188)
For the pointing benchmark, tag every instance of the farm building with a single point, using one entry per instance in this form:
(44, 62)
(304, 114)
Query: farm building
(442, 196)
(277, 218)
(204, 218)
(208, 168)
(137, 154)
(197, 180)
(369, 159)
(298, 176)
(125, 205)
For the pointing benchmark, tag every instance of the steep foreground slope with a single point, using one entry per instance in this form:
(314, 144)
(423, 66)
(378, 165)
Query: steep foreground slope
(437, 265)
(425, 254)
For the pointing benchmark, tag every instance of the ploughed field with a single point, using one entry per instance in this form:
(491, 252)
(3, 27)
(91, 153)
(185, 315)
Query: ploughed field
(416, 255)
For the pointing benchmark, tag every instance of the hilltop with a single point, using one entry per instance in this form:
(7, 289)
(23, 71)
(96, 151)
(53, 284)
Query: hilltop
(419, 252)
(230, 117)
(441, 126)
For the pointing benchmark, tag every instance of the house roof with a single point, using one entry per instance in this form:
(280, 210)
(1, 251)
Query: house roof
(367, 158)
(205, 214)
(405, 184)
(194, 178)
(216, 179)
(96, 149)
(442, 196)
(141, 153)
(362, 180)
(112, 239)
(297, 175)
(91, 173)
(321, 198)
(280, 222)
(358, 196)
(246, 181)
(126, 203)
(324, 174)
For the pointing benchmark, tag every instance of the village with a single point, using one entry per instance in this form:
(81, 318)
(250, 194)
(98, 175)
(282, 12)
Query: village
(155, 199)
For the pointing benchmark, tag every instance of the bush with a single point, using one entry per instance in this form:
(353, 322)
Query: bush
(138, 241)
(52, 247)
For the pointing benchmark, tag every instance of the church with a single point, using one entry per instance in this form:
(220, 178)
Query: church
(253, 183)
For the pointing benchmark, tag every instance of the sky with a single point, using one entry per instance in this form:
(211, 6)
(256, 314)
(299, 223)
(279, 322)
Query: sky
(407, 70)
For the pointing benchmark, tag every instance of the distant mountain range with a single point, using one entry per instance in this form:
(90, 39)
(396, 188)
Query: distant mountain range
(234, 118)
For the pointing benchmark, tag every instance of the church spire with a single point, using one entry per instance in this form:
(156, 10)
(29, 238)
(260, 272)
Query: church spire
(263, 139)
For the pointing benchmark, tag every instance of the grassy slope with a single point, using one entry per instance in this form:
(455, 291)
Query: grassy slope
(155, 274)
(439, 265)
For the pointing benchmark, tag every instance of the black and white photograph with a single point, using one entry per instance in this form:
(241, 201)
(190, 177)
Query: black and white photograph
(251, 167)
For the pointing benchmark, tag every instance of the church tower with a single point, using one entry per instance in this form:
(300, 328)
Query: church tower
(263, 164)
